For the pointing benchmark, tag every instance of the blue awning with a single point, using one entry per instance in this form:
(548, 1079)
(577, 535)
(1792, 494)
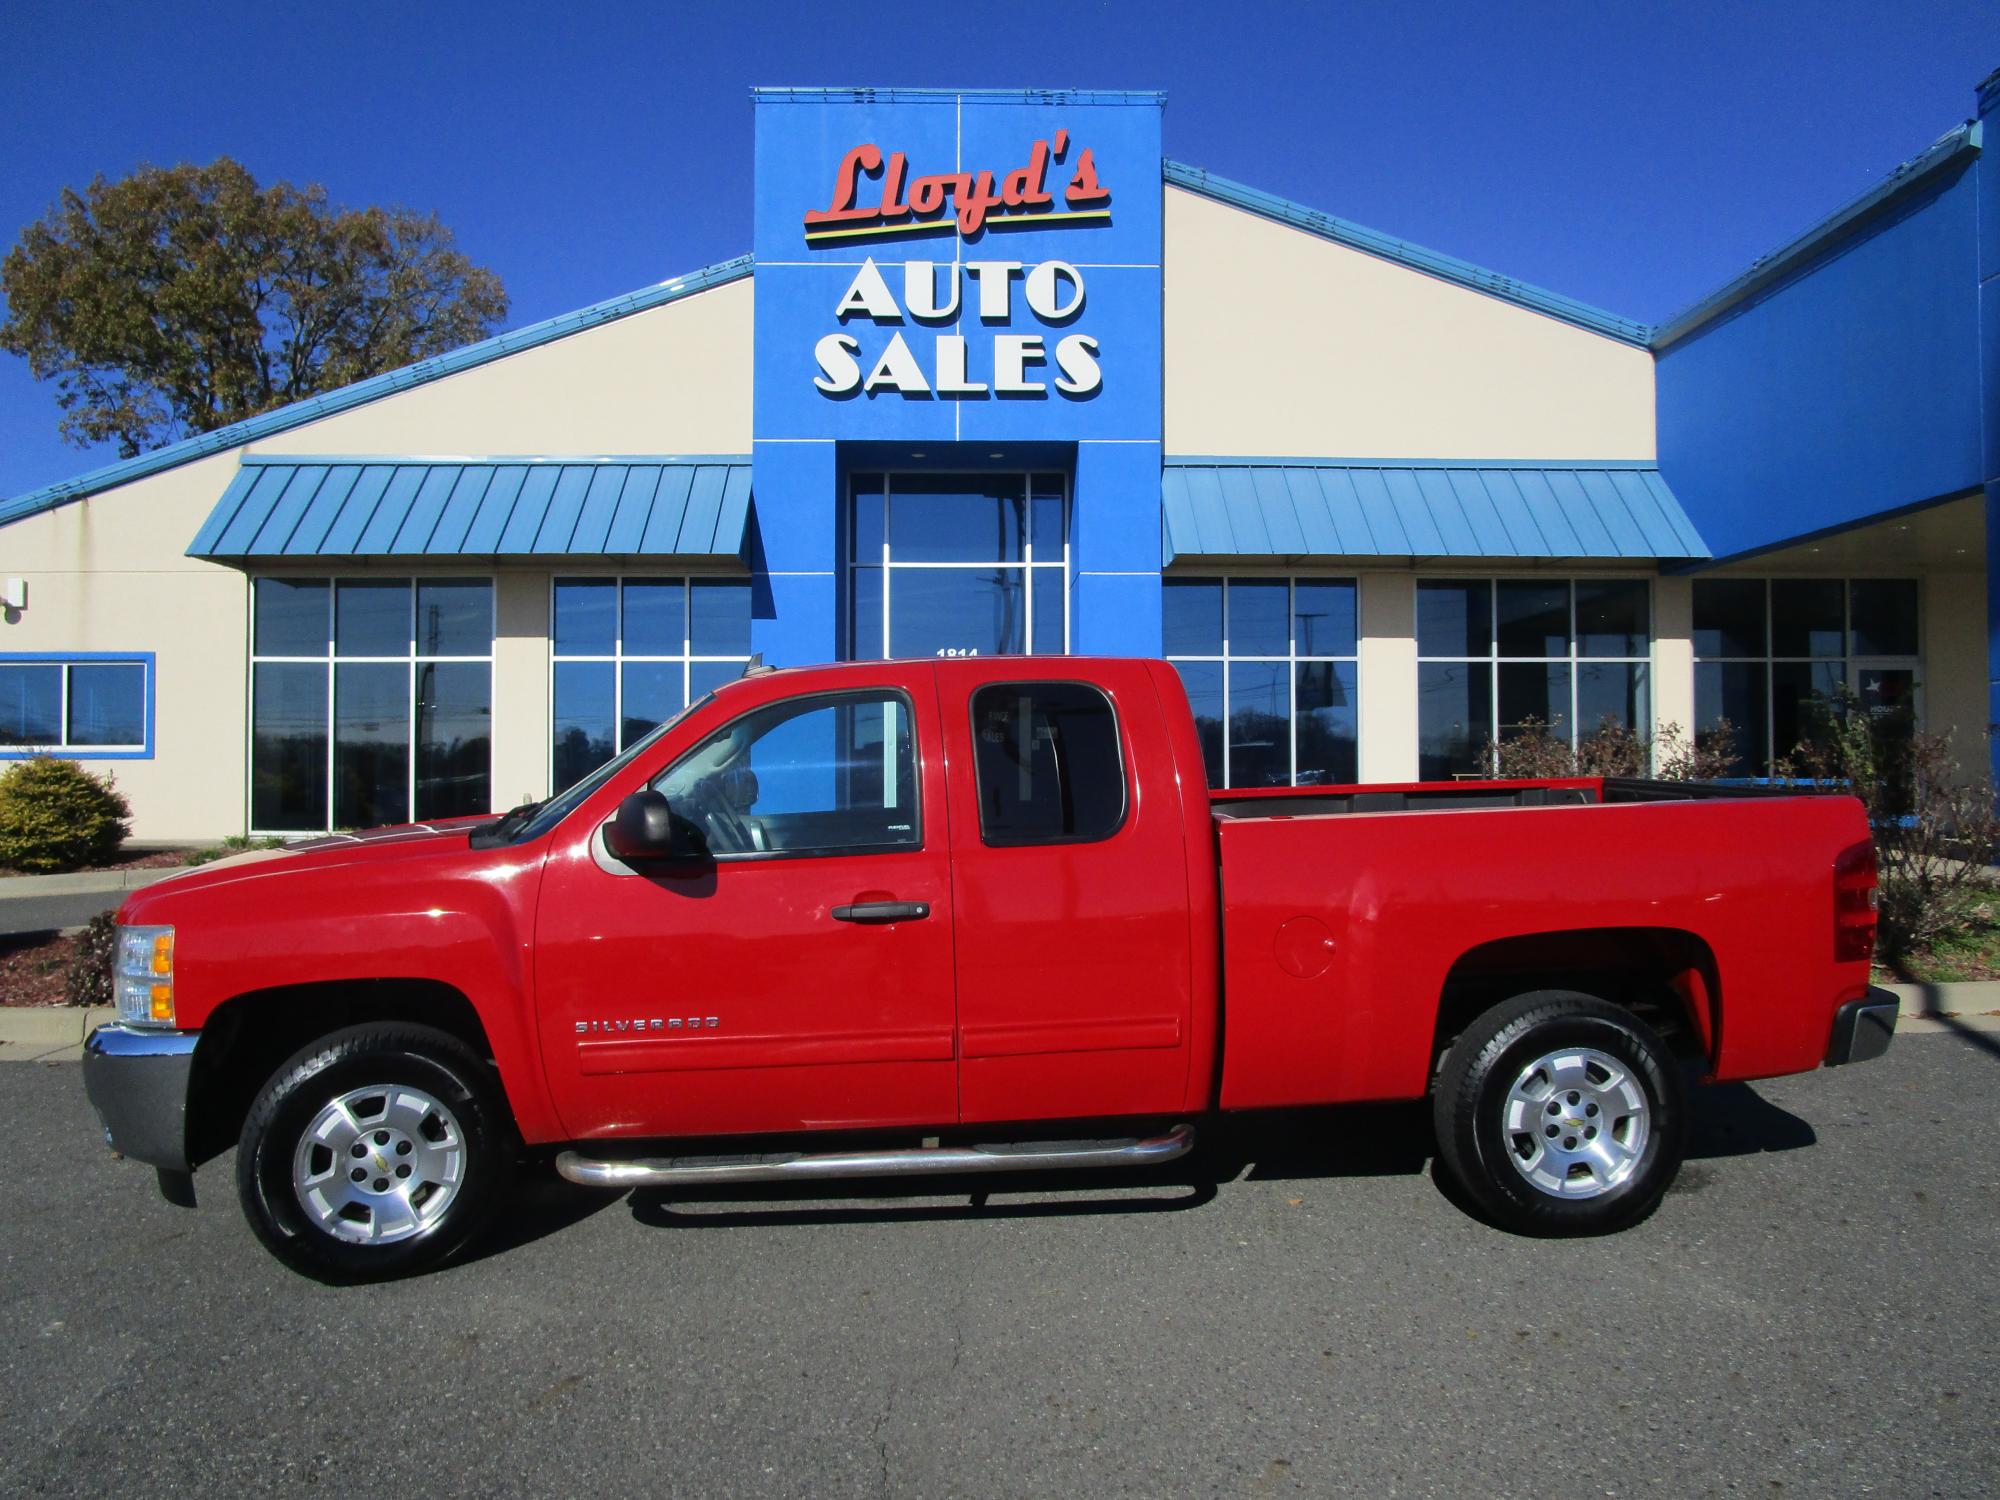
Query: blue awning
(1218, 507)
(496, 507)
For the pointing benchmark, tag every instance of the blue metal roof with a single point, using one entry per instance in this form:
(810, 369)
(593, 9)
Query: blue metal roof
(1953, 146)
(1287, 507)
(489, 507)
(372, 389)
(1388, 247)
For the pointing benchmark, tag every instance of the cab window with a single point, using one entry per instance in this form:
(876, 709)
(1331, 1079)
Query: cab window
(1047, 763)
(835, 774)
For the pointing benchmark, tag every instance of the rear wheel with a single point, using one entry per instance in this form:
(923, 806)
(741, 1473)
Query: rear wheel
(374, 1152)
(1561, 1114)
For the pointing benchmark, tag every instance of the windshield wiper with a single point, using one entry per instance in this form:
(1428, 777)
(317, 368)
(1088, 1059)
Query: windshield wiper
(489, 834)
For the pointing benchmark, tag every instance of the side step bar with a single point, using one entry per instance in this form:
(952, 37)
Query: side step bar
(797, 1166)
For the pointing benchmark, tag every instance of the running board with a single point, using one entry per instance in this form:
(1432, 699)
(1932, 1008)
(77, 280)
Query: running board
(798, 1166)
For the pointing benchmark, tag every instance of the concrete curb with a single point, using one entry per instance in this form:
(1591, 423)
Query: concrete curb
(48, 1033)
(83, 883)
(1971, 999)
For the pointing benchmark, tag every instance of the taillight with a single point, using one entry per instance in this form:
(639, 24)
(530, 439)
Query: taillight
(1854, 905)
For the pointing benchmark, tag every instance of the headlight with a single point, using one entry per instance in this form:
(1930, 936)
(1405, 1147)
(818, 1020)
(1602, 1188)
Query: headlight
(143, 976)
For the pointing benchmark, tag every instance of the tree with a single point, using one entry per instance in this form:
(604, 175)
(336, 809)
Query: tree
(181, 299)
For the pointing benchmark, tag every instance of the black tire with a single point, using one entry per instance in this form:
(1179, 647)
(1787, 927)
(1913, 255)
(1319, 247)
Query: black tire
(1470, 1109)
(429, 1065)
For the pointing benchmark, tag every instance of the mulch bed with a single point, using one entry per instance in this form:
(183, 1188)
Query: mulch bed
(32, 968)
(129, 859)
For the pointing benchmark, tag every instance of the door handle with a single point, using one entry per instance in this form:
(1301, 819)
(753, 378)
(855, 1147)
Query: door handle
(882, 911)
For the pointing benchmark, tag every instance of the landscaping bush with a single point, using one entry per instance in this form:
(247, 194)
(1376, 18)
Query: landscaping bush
(1532, 752)
(88, 981)
(1935, 828)
(54, 815)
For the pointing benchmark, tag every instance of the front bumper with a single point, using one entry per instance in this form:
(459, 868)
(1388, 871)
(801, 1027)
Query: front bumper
(137, 1081)
(1863, 1029)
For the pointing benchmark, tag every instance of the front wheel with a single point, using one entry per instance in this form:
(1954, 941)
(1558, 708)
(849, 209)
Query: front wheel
(1561, 1114)
(374, 1152)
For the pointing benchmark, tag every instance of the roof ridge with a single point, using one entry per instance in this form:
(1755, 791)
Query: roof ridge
(1775, 265)
(1390, 247)
(374, 388)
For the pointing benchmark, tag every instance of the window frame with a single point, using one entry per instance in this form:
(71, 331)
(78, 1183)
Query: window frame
(144, 750)
(1575, 660)
(687, 660)
(876, 693)
(1852, 664)
(1117, 740)
(1291, 661)
(887, 567)
(413, 659)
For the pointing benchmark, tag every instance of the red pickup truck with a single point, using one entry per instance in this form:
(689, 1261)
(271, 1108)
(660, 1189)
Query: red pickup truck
(970, 916)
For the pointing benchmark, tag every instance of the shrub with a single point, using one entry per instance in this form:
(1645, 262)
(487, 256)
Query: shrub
(236, 843)
(54, 815)
(1531, 752)
(1935, 828)
(88, 981)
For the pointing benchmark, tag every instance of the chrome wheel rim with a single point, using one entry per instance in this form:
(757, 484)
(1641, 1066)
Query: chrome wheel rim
(1575, 1123)
(380, 1164)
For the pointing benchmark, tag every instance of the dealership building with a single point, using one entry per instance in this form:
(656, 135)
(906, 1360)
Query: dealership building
(999, 377)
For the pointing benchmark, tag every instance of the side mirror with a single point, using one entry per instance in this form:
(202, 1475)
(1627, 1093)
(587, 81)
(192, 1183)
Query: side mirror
(647, 827)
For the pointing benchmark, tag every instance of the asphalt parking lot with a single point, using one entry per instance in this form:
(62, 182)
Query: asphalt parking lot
(1296, 1310)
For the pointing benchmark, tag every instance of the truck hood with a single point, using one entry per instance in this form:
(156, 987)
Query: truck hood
(372, 846)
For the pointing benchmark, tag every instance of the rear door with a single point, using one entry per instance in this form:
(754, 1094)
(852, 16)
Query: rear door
(1069, 880)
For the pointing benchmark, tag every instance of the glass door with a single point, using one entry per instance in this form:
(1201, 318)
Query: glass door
(957, 564)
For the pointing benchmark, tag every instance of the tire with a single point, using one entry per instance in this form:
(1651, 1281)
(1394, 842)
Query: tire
(1563, 1062)
(409, 1107)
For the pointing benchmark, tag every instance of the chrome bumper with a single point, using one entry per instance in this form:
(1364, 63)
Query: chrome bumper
(1863, 1029)
(137, 1081)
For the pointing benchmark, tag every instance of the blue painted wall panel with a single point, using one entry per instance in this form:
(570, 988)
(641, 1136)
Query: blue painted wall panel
(1849, 390)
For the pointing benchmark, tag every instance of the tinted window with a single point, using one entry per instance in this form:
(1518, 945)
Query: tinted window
(30, 704)
(1806, 617)
(1885, 616)
(805, 776)
(1047, 763)
(291, 616)
(1728, 617)
(1454, 619)
(107, 704)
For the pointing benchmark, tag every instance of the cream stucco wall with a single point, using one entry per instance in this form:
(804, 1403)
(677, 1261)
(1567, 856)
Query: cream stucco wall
(675, 379)
(1388, 668)
(1673, 655)
(109, 573)
(1282, 344)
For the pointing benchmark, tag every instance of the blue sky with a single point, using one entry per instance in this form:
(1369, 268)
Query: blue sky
(1632, 156)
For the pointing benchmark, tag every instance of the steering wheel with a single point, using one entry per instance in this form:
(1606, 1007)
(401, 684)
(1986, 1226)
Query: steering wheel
(720, 823)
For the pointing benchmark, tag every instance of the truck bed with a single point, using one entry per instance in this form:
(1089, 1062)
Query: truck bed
(1440, 796)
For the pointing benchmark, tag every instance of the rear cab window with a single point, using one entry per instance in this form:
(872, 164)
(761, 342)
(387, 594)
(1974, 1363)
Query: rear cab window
(1048, 764)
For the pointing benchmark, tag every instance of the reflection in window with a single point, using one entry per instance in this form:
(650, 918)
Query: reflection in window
(630, 653)
(1771, 655)
(804, 776)
(957, 565)
(371, 701)
(1270, 669)
(1499, 656)
(1047, 764)
(81, 706)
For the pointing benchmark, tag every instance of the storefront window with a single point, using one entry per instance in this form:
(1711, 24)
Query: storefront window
(630, 653)
(371, 701)
(957, 565)
(1271, 671)
(1773, 655)
(1497, 657)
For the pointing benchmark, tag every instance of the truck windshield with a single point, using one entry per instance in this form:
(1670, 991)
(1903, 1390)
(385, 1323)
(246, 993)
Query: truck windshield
(537, 818)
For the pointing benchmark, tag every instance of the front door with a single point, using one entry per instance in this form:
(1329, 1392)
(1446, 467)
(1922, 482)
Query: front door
(800, 978)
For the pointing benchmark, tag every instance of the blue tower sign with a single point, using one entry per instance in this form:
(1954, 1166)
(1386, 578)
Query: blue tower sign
(958, 323)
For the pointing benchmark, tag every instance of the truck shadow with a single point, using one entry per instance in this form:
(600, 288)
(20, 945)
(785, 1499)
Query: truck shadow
(1386, 1140)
